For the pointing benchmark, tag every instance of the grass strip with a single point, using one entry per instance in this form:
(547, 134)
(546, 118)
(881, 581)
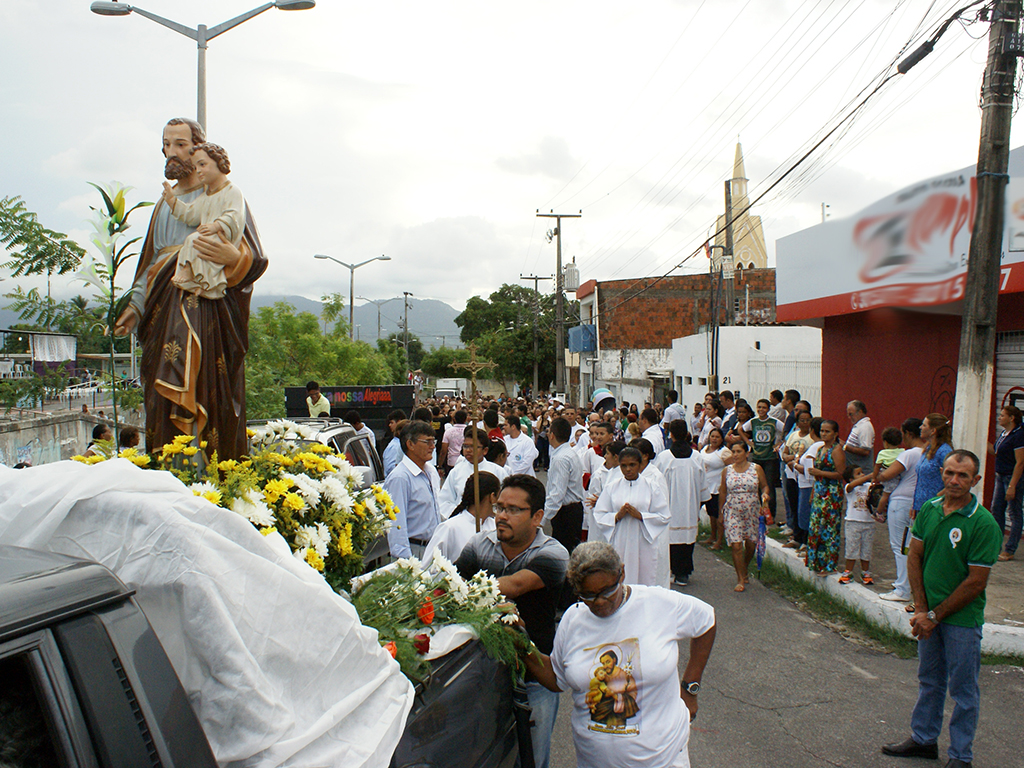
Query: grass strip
(838, 615)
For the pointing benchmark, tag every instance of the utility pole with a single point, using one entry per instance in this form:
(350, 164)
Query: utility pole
(559, 298)
(729, 260)
(405, 325)
(536, 312)
(981, 291)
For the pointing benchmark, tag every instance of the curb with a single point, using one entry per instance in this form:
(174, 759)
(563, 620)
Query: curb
(995, 638)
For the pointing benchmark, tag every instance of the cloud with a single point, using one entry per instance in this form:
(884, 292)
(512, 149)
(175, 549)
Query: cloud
(551, 159)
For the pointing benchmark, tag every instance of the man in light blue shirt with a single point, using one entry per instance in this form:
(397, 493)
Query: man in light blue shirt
(412, 491)
(393, 450)
(563, 502)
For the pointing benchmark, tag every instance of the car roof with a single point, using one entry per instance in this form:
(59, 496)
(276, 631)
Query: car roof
(324, 428)
(40, 588)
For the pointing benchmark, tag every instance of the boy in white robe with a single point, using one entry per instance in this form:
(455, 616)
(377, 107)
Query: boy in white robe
(684, 472)
(632, 515)
(605, 475)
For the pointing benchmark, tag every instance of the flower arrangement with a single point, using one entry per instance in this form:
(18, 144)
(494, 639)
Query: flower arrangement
(304, 492)
(407, 604)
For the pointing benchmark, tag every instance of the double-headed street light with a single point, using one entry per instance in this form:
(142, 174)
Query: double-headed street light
(351, 281)
(202, 35)
(379, 303)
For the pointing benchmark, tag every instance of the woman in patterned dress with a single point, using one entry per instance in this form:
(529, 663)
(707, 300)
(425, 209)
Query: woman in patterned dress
(827, 502)
(743, 491)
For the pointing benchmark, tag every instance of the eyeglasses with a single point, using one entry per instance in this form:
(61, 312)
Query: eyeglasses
(501, 509)
(427, 441)
(606, 594)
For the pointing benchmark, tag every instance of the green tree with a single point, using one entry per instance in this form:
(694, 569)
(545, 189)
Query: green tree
(288, 349)
(333, 311)
(416, 350)
(438, 362)
(502, 326)
(35, 249)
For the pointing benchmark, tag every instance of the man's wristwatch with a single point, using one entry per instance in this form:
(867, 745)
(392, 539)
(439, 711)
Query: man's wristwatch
(691, 688)
(931, 617)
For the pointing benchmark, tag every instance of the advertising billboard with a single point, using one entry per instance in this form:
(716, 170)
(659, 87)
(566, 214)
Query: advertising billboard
(909, 249)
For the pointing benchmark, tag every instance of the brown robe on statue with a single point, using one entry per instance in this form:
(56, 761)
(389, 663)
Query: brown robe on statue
(193, 349)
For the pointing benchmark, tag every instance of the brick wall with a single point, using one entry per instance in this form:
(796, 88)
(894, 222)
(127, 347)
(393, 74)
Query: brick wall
(673, 307)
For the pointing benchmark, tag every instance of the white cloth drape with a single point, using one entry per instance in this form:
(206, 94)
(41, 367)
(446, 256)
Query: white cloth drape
(277, 666)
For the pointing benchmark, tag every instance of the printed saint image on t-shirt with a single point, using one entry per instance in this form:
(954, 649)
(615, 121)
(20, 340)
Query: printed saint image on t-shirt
(612, 697)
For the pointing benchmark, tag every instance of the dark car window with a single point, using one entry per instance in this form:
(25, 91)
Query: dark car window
(24, 736)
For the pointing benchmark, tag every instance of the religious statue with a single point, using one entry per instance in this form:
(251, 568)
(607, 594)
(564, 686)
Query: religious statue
(193, 346)
(220, 210)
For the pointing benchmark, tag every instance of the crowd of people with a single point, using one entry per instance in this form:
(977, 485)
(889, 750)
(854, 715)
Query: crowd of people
(623, 492)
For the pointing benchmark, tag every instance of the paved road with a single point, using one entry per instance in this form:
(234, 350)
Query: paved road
(783, 690)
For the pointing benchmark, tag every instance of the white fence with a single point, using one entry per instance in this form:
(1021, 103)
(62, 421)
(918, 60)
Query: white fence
(768, 372)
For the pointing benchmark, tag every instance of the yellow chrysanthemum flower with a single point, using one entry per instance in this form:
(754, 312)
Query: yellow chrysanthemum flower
(320, 448)
(213, 497)
(314, 559)
(268, 530)
(183, 439)
(203, 444)
(96, 459)
(190, 450)
(250, 433)
(345, 540)
(171, 449)
(275, 489)
(80, 459)
(227, 465)
(247, 463)
(294, 502)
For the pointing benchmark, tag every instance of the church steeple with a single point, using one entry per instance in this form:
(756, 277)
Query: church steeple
(739, 176)
(737, 165)
(749, 251)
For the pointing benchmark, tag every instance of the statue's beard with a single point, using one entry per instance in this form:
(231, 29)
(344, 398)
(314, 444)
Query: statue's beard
(177, 169)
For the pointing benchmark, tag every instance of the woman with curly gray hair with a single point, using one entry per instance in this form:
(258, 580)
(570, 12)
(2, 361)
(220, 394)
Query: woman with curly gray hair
(617, 651)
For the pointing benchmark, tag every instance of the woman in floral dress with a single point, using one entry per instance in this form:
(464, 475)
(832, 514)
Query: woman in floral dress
(743, 491)
(827, 502)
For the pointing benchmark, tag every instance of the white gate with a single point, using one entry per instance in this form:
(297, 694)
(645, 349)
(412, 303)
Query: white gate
(768, 372)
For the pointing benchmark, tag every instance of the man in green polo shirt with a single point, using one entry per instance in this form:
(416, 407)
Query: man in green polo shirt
(955, 543)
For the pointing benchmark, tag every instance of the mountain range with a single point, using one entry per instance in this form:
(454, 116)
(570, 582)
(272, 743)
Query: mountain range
(431, 320)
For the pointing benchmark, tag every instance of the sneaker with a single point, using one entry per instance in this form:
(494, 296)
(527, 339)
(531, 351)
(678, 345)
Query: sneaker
(894, 597)
(680, 582)
(866, 578)
(845, 578)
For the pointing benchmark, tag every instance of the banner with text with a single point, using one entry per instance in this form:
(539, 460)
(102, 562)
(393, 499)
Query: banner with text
(909, 249)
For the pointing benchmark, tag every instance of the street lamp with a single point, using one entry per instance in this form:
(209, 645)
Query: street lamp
(379, 303)
(351, 281)
(201, 34)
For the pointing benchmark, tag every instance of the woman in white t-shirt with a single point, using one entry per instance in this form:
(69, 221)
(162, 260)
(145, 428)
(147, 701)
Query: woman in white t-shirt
(805, 483)
(617, 653)
(716, 457)
(901, 500)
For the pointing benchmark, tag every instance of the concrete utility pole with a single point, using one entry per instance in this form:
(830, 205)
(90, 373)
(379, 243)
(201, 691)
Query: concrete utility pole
(729, 261)
(405, 324)
(536, 312)
(981, 291)
(559, 298)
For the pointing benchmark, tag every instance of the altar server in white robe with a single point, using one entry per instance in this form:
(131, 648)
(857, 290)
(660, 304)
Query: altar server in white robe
(632, 515)
(687, 490)
(604, 476)
(467, 519)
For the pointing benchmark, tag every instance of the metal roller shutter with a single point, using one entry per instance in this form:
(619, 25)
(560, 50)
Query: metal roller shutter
(1009, 370)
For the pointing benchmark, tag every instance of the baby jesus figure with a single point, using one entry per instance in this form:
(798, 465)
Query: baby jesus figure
(220, 210)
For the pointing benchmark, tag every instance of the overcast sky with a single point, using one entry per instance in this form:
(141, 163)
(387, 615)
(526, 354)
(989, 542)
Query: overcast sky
(431, 131)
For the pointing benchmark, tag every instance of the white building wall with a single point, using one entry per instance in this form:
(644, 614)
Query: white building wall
(625, 372)
(753, 360)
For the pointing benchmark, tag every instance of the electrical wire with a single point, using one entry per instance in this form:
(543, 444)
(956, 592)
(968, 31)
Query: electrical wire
(852, 113)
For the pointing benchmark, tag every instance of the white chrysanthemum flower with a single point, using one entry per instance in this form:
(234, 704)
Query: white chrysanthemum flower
(410, 564)
(336, 492)
(308, 488)
(371, 504)
(200, 488)
(317, 537)
(306, 433)
(255, 511)
(509, 618)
